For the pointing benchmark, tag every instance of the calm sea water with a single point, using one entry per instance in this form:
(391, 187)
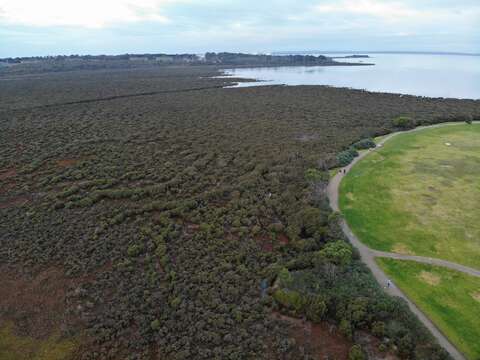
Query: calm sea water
(454, 76)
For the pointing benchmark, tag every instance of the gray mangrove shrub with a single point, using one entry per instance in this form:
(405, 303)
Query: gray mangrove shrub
(346, 157)
(364, 144)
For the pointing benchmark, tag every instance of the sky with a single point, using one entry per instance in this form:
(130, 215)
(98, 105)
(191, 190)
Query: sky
(53, 27)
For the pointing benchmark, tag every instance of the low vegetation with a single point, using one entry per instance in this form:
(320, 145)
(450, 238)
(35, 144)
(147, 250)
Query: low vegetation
(345, 157)
(170, 211)
(336, 287)
(14, 347)
(404, 122)
(450, 298)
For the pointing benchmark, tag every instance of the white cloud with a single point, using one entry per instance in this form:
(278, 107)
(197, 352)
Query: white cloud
(83, 13)
(396, 11)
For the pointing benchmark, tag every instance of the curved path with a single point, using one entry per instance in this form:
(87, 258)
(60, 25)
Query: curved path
(367, 255)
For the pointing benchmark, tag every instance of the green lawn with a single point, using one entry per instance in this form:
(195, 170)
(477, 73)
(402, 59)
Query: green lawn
(451, 299)
(419, 194)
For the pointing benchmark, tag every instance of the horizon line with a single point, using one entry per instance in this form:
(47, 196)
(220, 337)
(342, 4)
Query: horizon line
(295, 52)
(356, 52)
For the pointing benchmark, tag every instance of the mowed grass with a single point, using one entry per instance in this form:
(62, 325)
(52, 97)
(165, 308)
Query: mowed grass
(15, 347)
(419, 194)
(451, 299)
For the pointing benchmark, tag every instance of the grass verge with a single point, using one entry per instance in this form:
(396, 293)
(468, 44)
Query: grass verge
(451, 299)
(419, 194)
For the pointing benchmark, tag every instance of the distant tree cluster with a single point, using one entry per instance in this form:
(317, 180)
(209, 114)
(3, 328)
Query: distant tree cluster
(253, 59)
(39, 64)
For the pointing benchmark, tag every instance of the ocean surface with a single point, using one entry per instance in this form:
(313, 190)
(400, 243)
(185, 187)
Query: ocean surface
(449, 76)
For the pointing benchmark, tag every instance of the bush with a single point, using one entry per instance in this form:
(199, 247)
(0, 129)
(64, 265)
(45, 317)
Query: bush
(311, 223)
(315, 308)
(284, 277)
(378, 329)
(338, 252)
(356, 353)
(403, 122)
(155, 325)
(406, 346)
(314, 175)
(346, 157)
(364, 144)
(346, 328)
(290, 299)
(135, 250)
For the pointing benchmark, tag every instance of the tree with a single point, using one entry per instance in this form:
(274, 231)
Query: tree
(403, 122)
(313, 175)
(338, 252)
(316, 308)
(356, 353)
(284, 277)
(155, 325)
(364, 144)
(312, 222)
(346, 157)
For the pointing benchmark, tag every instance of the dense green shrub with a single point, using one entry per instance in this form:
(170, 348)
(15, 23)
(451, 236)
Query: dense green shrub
(345, 328)
(315, 175)
(311, 223)
(378, 329)
(289, 299)
(135, 250)
(346, 157)
(284, 277)
(356, 353)
(338, 252)
(364, 144)
(315, 308)
(155, 325)
(403, 122)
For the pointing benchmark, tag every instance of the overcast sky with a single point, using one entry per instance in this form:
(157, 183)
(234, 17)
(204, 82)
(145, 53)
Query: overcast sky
(50, 27)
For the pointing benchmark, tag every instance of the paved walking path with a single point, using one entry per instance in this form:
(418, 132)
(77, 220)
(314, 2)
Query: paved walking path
(367, 255)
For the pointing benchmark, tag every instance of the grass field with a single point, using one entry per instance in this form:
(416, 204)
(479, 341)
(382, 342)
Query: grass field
(450, 298)
(419, 194)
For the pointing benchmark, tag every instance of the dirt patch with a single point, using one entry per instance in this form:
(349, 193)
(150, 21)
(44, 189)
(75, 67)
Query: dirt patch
(35, 304)
(429, 199)
(265, 242)
(378, 158)
(6, 187)
(350, 196)
(307, 137)
(15, 201)
(402, 249)
(283, 239)
(191, 227)
(429, 278)
(322, 341)
(67, 162)
(371, 345)
(7, 173)
(476, 296)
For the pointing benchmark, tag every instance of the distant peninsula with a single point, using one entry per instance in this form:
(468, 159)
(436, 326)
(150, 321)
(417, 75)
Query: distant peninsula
(40, 64)
(351, 57)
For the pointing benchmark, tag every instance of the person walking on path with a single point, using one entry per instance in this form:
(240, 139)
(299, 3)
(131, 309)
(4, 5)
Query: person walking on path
(389, 283)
